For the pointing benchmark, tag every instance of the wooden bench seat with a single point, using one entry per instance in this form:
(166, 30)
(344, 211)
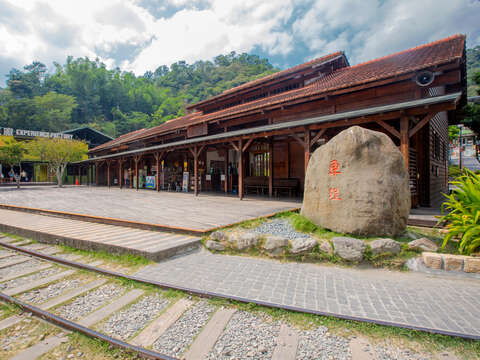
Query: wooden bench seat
(259, 184)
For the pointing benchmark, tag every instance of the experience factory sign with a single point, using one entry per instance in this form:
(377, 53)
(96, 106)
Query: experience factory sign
(34, 133)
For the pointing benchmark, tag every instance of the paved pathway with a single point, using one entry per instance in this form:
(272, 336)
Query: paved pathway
(162, 208)
(445, 304)
(154, 245)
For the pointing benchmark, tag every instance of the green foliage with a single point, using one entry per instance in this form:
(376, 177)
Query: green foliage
(473, 70)
(463, 217)
(58, 153)
(11, 151)
(83, 92)
(453, 132)
(454, 171)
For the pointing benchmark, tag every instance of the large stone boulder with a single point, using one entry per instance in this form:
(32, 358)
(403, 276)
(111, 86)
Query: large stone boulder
(423, 244)
(301, 245)
(348, 248)
(245, 240)
(381, 246)
(274, 245)
(214, 245)
(357, 183)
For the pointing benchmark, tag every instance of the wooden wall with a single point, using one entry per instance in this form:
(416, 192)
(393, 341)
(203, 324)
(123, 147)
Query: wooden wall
(438, 138)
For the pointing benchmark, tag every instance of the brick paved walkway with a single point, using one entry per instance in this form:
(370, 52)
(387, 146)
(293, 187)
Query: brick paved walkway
(439, 303)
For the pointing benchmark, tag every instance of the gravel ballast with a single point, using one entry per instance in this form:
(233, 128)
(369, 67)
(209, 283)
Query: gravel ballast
(89, 302)
(125, 324)
(320, 344)
(396, 353)
(246, 336)
(30, 278)
(53, 290)
(31, 264)
(280, 227)
(182, 333)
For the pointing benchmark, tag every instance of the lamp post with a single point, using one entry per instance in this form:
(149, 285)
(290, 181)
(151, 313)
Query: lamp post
(460, 163)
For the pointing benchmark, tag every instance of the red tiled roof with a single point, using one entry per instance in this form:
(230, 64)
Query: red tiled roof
(420, 57)
(276, 75)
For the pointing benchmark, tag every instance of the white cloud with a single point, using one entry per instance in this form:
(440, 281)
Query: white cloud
(130, 34)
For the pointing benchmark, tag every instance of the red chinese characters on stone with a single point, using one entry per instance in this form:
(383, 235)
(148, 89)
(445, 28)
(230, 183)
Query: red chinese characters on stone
(334, 167)
(333, 171)
(334, 194)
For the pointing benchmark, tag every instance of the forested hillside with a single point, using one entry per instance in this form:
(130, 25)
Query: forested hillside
(473, 66)
(84, 92)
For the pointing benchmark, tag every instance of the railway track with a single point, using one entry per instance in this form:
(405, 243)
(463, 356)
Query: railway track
(81, 296)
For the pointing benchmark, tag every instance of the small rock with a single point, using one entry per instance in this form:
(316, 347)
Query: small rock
(411, 235)
(423, 244)
(79, 354)
(349, 249)
(381, 246)
(214, 245)
(245, 240)
(274, 244)
(70, 356)
(326, 247)
(302, 245)
(219, 236)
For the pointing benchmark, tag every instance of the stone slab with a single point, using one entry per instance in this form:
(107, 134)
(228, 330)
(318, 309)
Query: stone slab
(70, 295)
(209, 335)
(25, 272)
(34, 284)
(153, 331)
(154, 245)
(358, 348)
(287, 343)
(37, 350)
(109, 309)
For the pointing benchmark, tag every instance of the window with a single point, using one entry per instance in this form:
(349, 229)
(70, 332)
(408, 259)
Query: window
(260, 164)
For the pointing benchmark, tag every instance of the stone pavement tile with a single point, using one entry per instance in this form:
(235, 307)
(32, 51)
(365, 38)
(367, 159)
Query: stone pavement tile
(287, 343)
(432, 302)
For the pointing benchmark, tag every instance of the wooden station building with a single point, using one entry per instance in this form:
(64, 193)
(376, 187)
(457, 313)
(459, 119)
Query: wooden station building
(258, 137)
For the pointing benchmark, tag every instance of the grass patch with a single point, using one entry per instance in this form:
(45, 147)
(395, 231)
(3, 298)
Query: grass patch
(129, 260)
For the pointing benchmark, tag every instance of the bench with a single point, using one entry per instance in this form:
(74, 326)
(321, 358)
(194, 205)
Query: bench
(259, 184)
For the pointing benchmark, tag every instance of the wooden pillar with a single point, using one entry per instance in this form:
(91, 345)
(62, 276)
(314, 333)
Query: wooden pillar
(307, 148)
(136, 159)
(226, 170)
(404, 139)
(120, 177)
(108, 173)
(195, 170)
(240, 169)
(79, 175)
(157, 163)
(270, 167)
(97, 165)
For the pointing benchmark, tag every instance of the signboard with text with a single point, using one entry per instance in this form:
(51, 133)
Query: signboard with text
(33, 133)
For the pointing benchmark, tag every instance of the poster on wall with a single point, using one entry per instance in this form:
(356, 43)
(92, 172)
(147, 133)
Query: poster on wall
(150, 182)
(185, 181)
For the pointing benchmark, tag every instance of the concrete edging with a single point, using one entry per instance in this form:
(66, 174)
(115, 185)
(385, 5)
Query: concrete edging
(450, 262)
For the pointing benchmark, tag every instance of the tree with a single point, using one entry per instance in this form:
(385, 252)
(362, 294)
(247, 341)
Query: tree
(53, 111)
(58, 153)
(472, 111)
(11, 153)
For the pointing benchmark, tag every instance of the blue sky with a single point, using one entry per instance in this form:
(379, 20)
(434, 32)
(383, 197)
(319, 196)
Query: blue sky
(140, 35)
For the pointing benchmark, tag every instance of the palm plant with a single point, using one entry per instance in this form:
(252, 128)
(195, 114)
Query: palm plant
(463, 213)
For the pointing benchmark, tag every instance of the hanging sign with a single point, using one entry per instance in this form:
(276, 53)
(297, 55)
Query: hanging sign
(34, 133)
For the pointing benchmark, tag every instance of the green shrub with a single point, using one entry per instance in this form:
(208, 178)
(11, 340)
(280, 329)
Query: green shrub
(303, 224)
(463, 217)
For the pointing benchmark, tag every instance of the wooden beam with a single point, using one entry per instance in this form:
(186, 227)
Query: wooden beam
(296, 137)
(389, 128)
(157, 160)
(225, 165)
(246, 146)
(79, 175)
(234, 146)
(317, 137)
(421, 124)
(307, 148)
(120, 177)
(404, 139)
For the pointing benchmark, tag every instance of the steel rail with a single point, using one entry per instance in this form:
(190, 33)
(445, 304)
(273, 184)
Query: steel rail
(70, 325)
(211, 294)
